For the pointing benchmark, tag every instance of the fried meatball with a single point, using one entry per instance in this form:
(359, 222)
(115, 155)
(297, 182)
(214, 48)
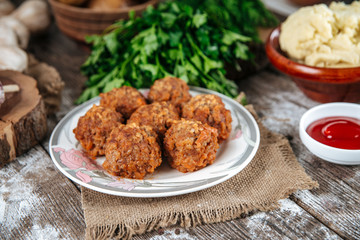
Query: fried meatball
(209, 108)
(94, 127)
(124, 100)
(156, 115)
(190, 145)
(132, 151)
(170, 89)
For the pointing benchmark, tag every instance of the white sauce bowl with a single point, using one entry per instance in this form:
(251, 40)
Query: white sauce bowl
(331, 154)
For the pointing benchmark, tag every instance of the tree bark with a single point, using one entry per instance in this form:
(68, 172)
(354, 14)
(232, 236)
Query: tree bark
(24, 125)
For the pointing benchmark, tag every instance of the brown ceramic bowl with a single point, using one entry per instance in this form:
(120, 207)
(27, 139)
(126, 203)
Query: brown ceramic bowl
(306, 2)
(78, 22)
(320, 84)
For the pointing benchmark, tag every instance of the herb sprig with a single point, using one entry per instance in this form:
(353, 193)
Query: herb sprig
(241, 16)
(173, 39)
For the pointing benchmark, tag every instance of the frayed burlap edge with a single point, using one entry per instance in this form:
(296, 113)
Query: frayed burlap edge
(126, 230)
(185, 220)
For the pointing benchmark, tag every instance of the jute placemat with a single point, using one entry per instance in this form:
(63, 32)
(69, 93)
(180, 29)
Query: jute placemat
(273, 174)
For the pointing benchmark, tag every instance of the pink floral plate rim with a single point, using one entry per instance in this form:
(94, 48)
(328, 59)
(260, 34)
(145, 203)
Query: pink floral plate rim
(233, 156)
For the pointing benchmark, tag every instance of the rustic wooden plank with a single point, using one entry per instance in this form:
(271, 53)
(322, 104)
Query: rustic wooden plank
(32, 175)
(337, 202)
(289, 222)
(37, 201)
(274, 96)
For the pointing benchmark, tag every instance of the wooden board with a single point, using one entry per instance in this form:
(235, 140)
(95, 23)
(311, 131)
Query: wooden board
(336, 203)
(24, 125)
(11, 98)
(37, 201)
(330, 212)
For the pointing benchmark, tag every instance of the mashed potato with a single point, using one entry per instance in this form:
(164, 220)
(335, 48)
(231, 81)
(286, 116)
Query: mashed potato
(323, 36)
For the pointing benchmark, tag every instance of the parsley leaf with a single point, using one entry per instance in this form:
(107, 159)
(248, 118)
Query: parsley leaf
(189, 39)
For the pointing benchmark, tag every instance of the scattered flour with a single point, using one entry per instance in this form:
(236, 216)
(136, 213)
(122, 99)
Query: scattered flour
(259, 223)
(43, 233)
(19, 199)
(331, 206)
(289, 214)
(328, 235)
(171, 235)
(290, 207)
(2, 210)
(17, 196)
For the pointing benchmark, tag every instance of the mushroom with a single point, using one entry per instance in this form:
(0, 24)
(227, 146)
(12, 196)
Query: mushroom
(34, 14)
(6, 7)
(13, 58)
(21, 31)
(7, 36)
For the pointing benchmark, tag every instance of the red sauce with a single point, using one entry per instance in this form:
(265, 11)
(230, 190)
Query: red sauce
(339, 132)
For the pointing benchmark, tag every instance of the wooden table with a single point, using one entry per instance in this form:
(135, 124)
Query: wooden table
(38, 202)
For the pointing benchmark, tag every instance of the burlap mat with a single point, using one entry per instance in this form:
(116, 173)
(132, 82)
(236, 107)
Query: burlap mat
(273, 174)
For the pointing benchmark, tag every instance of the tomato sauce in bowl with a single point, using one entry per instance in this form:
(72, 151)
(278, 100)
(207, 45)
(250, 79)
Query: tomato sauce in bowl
(331, 131)
(340, 132)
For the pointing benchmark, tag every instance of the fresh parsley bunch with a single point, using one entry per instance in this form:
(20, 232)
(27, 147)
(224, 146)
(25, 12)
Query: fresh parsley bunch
(241, 16)
(173, 39)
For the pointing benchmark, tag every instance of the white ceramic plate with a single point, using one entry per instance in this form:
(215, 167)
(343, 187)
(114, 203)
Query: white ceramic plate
(232, 156)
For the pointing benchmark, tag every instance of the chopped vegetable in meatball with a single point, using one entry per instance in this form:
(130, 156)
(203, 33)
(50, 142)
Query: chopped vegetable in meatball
(94, 127)
(170, 89)
(132, 151)
(209, 108)
(124, 100)
(190, 145)
(156, 115)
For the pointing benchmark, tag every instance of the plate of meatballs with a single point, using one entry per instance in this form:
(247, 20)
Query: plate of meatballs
(164, 141)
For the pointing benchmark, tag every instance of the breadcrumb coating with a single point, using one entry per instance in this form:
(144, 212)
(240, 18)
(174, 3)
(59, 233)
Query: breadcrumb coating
(132, 151)
(124, 100)
(209, 109)
(94, 127)
(190, 145)
(170, 89)
(156, 115)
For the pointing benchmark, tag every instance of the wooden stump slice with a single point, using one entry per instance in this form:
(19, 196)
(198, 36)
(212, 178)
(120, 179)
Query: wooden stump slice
(24, 124)
(12, 98)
